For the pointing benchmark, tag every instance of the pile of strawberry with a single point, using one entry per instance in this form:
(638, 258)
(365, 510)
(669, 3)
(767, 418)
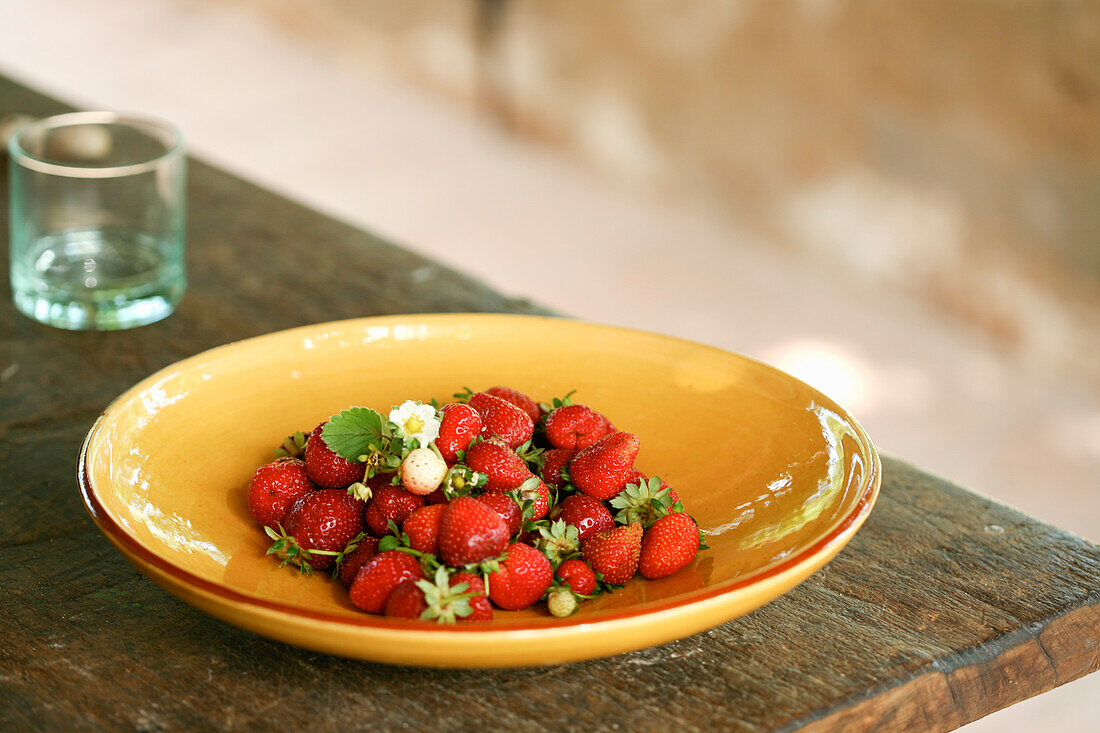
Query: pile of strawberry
(442, 513)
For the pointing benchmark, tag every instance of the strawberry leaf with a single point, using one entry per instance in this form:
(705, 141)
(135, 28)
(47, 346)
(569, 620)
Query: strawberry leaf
(356, 432)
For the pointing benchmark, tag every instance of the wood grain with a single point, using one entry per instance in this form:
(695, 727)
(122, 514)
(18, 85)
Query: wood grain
(945, 607)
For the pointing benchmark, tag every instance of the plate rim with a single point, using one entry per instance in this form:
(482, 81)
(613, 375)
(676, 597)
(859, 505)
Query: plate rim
(136, 550)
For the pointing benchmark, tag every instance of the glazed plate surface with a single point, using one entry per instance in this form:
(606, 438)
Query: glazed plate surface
(778, 476)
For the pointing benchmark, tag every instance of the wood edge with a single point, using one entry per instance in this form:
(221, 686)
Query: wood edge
(965, 687)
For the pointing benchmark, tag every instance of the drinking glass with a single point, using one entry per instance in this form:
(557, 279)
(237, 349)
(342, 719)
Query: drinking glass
(97, 220)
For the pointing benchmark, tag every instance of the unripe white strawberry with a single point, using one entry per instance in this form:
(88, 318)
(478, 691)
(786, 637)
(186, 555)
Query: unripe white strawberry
(422, 471)
(561, 602)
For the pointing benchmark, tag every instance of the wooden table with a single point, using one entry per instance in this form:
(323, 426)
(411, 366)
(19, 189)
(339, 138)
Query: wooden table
(945, 607)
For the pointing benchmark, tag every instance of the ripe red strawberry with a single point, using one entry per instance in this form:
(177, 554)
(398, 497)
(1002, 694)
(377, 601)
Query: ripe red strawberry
(578, 576)
(471, 532)
(505, 470)
(326, 520)
(601, 470)
(328, 470)
(459, 425)
(522, 579)
(636, 477)
(669, 544)
(614, 553)
(518, 399)
(554, 460)
(503, 419)
(586, 514)
(483, 610)
(507, 508)
(406, 601)
(390, 503)
(380, 576)
(275, 487)
(357, 558)
(575, 426)
(422, 527)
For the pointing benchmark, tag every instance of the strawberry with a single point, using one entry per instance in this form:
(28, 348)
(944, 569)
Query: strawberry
(504, 469)
(482, 609)
(601, 470)
(575, 426)
(458, 426)
(586, 514)
(522, 579)
(668, 545)
(614, 553)
(357, 557)
(502, 419)
(578, 576)
(378, 578)
(507, 508)
(422, 527)
(328, 470)
(554, 460)
(406, 601)
(518, 399)
(422, 471)
(318, 527)
(275, 487)
(436, 497)
(471, 532)
(390, 504)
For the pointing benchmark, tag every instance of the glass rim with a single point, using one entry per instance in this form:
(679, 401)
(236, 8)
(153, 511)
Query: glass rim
(21, 156)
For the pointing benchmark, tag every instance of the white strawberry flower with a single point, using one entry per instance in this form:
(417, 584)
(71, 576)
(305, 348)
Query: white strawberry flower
(422, 471)
(416, 420)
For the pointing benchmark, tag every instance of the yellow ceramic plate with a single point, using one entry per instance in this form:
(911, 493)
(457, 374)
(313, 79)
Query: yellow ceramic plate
(778, 476)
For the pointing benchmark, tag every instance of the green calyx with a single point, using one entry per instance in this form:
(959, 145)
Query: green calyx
(460, 480)
(291, 553)
(446, 604)
(555, 403)
(644, 502)
(532, 456)
(293, 446)
(558, 541)
(352, 545)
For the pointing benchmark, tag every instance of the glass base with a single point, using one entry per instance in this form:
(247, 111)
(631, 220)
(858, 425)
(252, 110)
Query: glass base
(98, 280)
(83, 316)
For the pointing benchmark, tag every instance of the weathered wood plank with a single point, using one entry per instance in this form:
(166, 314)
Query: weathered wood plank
(945, 607)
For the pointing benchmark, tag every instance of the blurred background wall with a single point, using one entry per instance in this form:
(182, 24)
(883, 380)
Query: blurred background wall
(947, 149)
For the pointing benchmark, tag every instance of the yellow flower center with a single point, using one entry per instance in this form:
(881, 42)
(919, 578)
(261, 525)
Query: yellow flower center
(413, 425)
